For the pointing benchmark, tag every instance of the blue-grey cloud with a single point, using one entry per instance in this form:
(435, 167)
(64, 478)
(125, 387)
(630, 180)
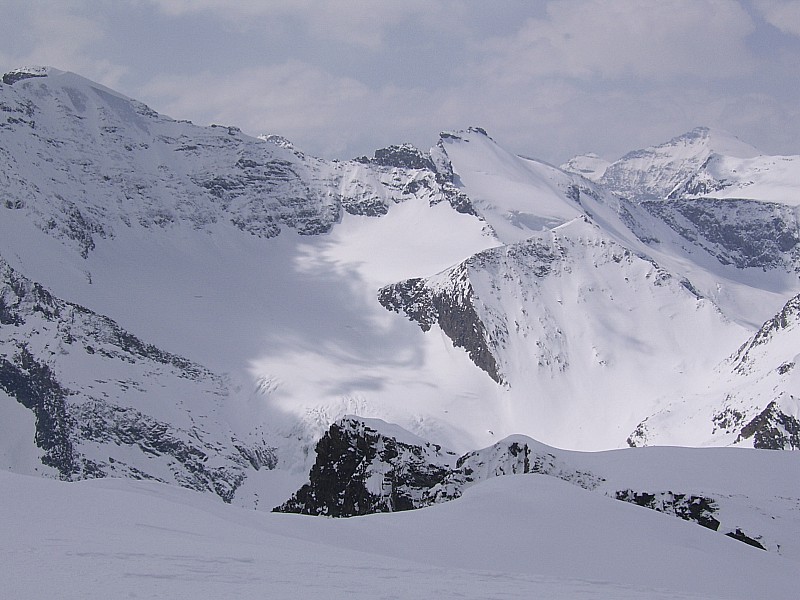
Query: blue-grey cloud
(547, 79)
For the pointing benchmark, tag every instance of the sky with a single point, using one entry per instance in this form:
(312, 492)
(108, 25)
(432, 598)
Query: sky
(341, 78)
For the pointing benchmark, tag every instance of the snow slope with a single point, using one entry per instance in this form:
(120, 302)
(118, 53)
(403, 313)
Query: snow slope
(513, 537)
(750, 398)
(589, 165)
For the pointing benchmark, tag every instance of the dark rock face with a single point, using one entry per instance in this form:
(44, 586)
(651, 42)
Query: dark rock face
(743, 233)
(743, 537)
(72, 423)
(403, 156)
(12, 77)
(36, 388)
(360, 471)
(437, 178)
(699, 509)
(788, 317)
(449, 300)
(453, 312)
(773, 429)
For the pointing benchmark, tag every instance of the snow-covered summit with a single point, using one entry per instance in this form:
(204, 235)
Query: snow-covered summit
(653, 173)
(517, 197)
(589, 165)
(28, 72)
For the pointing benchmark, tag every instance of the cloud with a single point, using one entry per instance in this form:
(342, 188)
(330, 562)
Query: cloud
(547, 79)
(61, 34)
(355, 22)
(783, 14)
(322, 113)
(637, 38)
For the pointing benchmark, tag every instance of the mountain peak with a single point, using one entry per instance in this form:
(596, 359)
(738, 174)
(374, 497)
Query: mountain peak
(28, 72)
(589, 165)
(464, 134)
(654, 172)
(716, 141)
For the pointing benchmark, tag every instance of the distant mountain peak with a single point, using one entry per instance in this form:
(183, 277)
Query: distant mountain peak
(278, 140)
(589, 165)
(717, 141)
(403, 156)
(28, 72)
(653, 173)
(464, 134)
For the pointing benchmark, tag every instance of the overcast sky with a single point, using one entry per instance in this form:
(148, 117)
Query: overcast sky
(547, 79)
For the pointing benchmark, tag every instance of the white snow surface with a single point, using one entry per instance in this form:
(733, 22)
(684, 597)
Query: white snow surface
(765, 178)
(588, 165)
(512, 537)
(516, 196)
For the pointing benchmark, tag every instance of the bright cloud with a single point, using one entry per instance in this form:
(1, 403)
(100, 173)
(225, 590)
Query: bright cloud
(357, 22)
(611, 39)
(548, 79)
(783, 14)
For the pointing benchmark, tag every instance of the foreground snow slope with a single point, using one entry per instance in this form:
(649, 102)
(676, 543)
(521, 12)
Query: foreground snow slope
(367, 466)
(514, 537)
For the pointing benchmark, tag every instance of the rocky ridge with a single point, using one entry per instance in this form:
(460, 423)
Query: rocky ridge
(108, 404)
(157, 172)
(369, 466)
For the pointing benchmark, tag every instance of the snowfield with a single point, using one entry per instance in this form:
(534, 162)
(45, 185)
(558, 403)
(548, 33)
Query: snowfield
(524, 536)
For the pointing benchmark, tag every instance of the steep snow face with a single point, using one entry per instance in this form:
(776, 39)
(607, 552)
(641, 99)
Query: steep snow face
(765, 178)
(577, 327)
(653, 173)
(589, 165)
(515, 196)
(751, 400)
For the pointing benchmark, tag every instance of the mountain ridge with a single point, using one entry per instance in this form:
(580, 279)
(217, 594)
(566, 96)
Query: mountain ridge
(519, 296)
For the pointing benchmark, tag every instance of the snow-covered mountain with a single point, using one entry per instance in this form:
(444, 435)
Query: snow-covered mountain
(751, 398)
(105, 403)
(589, 165)
(655, 173)
(256, 280)
(194, 306)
